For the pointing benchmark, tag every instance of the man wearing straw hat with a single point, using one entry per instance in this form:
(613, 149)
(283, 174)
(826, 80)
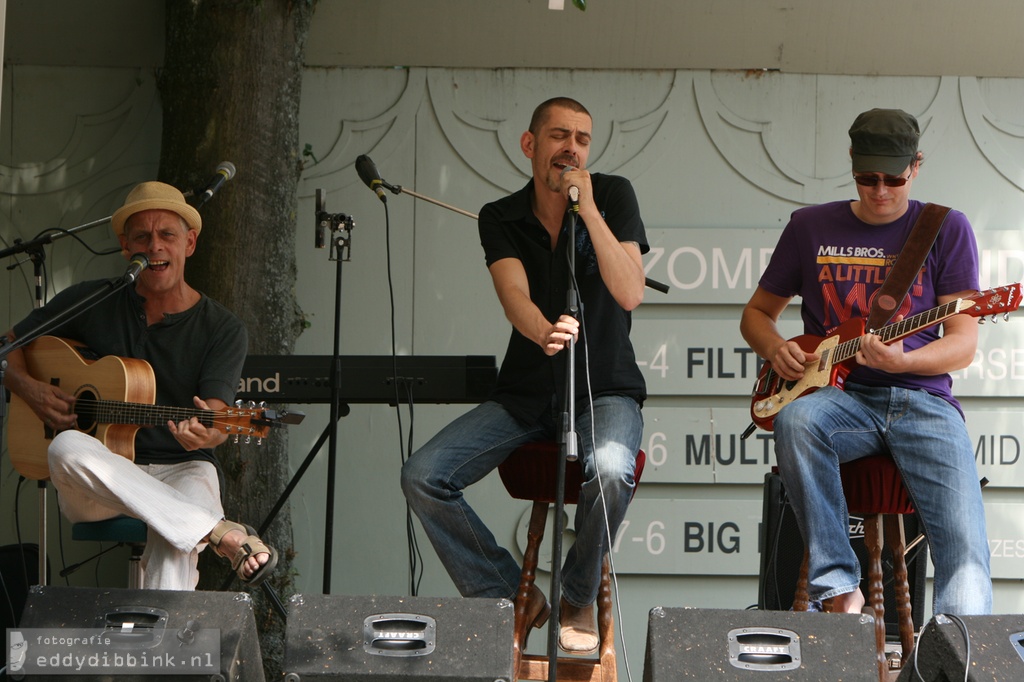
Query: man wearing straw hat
(196, 348)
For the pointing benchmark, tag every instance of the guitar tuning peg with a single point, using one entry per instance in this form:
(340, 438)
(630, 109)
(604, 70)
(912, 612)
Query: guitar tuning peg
(250, 404)
(235, 441)
(262, 405)
(259, 440)
(248, 439)
(1006, 317)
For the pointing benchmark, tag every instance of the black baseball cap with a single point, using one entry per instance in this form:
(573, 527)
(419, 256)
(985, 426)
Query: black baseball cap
(884, 141)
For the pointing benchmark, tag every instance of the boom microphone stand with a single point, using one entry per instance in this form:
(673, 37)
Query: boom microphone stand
(34, 250)
(368, 173)
(139, 263)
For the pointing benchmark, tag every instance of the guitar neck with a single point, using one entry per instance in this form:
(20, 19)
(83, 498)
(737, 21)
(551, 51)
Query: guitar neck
(902, 329)
(140, 414)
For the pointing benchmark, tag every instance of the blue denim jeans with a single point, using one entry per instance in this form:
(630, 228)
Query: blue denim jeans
(928, 440)
(474, 445)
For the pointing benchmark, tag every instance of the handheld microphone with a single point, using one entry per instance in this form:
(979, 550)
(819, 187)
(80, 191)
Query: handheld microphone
(574, 198)
(225, 171)
(574, 192)
(136, 264)
(369, 174)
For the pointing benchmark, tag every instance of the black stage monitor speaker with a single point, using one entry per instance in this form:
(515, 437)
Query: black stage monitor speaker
(758, 646)
(19, 570)
(782, 551)
(994, 645)
(390, 639)
(96, 634)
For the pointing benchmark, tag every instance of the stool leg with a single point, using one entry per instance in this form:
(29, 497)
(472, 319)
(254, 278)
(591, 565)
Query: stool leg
(895, 538)
(876, 597)
(534, 536)
(135, 573)
(606, 624)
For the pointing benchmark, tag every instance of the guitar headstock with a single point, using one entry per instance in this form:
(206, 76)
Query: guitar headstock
(254, 421)
(1001, 300)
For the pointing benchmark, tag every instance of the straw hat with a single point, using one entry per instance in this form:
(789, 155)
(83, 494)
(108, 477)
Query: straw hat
(158, 195)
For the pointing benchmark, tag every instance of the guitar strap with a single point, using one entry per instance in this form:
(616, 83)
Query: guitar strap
(908, 265)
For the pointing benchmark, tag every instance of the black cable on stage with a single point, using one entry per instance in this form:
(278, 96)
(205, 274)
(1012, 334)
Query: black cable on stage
(415, 556)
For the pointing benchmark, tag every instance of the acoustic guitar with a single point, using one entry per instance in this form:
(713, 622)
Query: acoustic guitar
(114, 398)
(839, 348)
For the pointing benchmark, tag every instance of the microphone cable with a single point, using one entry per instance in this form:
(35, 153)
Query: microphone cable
(964, 633)
(600, 479)
(404, 450)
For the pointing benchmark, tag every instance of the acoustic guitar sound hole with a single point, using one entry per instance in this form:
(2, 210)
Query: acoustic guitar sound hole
(85, 408)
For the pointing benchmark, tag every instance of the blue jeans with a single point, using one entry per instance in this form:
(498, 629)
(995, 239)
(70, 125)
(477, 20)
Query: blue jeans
(928, 440)
(474, 445)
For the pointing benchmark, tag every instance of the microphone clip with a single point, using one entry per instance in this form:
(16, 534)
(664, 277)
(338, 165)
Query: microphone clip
(574, 199)
(340, 226)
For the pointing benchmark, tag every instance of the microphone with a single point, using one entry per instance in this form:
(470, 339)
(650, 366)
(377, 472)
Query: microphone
(136, 265)
(574, 192)
(225, 171)
(369, 174)
(574, 198)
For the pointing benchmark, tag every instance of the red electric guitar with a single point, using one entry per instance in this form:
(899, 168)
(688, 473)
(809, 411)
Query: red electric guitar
(837, 351)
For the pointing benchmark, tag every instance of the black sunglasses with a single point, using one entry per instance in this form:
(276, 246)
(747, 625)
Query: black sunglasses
(873, 180)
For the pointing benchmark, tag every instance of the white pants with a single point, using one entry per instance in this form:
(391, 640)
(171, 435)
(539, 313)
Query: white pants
(179, 502)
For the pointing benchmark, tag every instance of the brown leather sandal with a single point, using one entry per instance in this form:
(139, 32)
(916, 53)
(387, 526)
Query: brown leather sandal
(251, 546)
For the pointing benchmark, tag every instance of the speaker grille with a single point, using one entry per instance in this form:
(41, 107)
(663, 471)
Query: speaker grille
(764, 649)
(399, 634)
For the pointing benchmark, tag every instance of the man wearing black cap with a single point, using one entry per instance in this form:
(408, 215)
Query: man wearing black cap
(898, 399)
(196, 348)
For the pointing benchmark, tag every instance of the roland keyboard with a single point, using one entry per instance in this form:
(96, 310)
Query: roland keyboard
(369, 378)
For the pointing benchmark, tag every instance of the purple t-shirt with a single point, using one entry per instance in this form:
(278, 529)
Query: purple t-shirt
(836, 263)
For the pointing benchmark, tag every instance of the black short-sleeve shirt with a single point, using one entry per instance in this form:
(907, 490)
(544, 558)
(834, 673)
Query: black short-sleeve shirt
(528, 378)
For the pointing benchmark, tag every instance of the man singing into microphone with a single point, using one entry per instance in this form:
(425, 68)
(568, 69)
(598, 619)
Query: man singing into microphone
(196, 348)
(525, 244)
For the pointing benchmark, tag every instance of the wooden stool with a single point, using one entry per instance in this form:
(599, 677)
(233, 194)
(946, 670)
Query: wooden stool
(874, 489)
(530, 473)
(122, 530)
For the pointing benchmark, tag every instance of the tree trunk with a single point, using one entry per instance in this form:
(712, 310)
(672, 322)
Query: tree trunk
(230, 89)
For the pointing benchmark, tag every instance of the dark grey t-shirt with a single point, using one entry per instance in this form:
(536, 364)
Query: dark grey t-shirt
(196, 352)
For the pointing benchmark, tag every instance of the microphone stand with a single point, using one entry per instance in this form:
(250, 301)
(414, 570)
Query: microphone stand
(340, 227)
(34, 249)
(568, 451)
(45, 327)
